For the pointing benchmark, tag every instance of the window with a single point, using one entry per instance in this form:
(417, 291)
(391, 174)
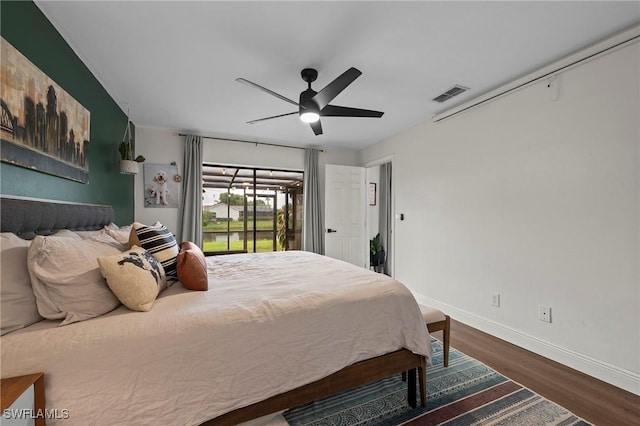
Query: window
(250, 210)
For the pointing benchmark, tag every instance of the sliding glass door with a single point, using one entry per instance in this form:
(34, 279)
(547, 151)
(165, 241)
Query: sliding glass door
(248, 210)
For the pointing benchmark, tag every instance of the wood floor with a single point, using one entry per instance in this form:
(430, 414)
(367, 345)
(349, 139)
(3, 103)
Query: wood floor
(595, 401)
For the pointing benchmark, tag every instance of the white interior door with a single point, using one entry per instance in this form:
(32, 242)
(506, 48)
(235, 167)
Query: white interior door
(345, 213)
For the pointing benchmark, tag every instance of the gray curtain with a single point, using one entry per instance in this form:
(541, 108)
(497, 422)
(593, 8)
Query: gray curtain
(384, 214)
(190, 213)
(313, 225)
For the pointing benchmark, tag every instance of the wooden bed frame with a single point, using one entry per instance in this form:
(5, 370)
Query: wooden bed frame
(352, 376)
(27, 217)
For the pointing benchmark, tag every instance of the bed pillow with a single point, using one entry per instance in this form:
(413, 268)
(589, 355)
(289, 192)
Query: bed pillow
(18, 308)
(192, 267)
(119, 234)
(68, 233)
(135, 277)
(87, 234)
(112, 226)
(66, 278)
(104, 237)
(158, 241)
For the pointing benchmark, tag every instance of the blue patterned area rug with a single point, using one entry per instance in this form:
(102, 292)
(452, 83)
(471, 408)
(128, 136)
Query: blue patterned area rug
(465, 393)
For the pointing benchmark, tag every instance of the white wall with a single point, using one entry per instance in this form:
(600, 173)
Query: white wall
(164, 146)
(158, 147)
(538, 201)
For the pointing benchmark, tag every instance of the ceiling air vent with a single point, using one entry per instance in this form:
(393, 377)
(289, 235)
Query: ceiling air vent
(454, 91)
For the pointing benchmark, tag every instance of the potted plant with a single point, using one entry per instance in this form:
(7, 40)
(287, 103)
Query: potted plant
(128, 163)
(376, 253)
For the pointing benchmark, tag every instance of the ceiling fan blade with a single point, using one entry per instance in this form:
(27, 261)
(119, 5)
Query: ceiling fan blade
(264, 89)
(317, 127)
(331, 90)
(269, 118)
(340, 111)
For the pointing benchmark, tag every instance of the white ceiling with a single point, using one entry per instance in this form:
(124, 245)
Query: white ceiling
(175, 62)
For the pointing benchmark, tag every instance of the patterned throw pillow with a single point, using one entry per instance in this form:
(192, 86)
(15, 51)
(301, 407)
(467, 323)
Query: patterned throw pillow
(158, 241)
(135, 277)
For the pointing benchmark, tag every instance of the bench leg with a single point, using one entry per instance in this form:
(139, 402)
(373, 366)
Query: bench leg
(445, 340)
(411, 390)
(411, 385)
(422, 376)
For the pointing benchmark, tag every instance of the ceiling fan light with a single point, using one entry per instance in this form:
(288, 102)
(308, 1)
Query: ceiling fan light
(309, 117)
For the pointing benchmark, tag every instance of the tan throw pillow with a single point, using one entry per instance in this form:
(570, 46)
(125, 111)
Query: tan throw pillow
(192, 267)
(18, 308)
(158, 241)
(66, 278)
(135, 277)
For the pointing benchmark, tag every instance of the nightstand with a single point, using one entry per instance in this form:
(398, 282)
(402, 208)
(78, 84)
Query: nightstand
(14, 387)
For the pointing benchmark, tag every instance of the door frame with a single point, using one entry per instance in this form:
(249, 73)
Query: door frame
(377, 162)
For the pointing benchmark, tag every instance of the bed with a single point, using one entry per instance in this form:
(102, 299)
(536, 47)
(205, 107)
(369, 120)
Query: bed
(273, 331)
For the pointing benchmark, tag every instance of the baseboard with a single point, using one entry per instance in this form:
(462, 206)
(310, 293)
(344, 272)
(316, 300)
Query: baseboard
(616, 376)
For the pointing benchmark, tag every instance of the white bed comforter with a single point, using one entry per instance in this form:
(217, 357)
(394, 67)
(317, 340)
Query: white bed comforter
(269, 323)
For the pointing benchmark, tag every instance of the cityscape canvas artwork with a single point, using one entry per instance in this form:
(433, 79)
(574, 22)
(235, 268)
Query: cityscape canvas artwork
(43, 127)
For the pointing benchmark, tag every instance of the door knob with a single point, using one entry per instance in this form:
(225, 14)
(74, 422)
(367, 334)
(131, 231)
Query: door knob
(331, 230)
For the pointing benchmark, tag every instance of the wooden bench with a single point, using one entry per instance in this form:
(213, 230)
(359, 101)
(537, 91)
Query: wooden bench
(437, 321)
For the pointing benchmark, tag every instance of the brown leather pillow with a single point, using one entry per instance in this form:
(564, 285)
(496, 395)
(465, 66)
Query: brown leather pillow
(192, 267)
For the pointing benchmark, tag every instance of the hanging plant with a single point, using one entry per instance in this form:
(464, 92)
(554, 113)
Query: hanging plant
(126, 152)
(126, 147)
(128, 163)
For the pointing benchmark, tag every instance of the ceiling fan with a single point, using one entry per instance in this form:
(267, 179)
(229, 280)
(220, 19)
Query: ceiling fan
(313, 105)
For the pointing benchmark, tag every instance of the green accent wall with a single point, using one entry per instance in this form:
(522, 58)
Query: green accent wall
(24, 26)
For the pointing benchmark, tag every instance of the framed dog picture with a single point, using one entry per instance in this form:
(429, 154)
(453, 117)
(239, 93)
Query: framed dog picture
(160, 187)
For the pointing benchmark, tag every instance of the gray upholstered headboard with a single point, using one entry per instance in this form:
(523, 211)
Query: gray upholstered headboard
(28, 217)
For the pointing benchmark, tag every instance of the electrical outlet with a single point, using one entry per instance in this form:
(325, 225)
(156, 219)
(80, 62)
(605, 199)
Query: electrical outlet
(495, 299)
(545, 313)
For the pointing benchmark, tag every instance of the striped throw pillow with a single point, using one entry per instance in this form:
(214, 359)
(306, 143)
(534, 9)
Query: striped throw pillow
(158, 241)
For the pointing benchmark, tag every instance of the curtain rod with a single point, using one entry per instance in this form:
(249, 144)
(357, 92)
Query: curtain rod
(251, 142)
